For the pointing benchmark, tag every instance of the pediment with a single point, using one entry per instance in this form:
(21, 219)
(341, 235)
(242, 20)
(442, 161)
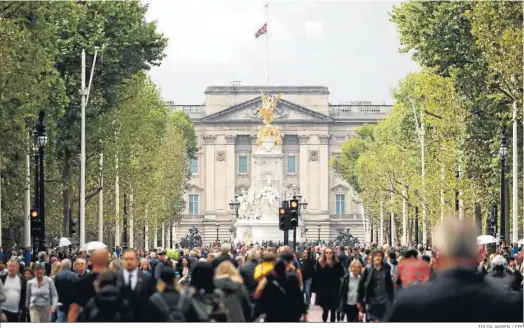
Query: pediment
(340, 188)
(247, 112)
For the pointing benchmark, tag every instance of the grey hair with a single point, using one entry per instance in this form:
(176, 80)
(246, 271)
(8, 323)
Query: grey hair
(457, 238)
(115, 266)
(499, 260)
(226, 248)
(66, 264)
(252, 255)
(192, 253)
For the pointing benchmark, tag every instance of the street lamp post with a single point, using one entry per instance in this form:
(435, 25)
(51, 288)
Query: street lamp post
(41, 142)
(217, 226)
(235, 205)
(318, 232)
(124, 237)
(503, 152)
(457, 193)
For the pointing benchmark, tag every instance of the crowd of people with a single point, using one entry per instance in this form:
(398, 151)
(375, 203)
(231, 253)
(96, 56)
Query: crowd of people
(454, 282)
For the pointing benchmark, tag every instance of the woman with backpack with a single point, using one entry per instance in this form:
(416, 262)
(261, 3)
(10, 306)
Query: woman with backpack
(170, 305)
(229, 281)
(206, 297)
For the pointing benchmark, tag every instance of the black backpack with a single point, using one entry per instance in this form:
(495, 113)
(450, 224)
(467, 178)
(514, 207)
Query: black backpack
(213, 305)
(174, 312)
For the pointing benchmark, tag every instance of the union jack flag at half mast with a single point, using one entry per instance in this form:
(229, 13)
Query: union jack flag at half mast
(261, 31)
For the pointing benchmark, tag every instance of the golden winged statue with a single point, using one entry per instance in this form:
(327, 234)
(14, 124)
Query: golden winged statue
(267, 112)
(269, 104)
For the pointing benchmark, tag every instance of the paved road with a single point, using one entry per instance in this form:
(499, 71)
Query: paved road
(315, 312)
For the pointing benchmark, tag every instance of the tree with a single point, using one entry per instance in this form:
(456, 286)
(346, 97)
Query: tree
(479, 46)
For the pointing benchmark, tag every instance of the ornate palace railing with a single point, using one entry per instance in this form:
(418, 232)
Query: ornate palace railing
(192, 217)
(194, 111)
(360, 111)
(346, 217)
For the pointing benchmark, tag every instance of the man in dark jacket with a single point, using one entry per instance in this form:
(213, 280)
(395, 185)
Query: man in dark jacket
(193, 260)
(502, 277)
(163, 261)
(356, 256)
(14, 286)
(343, 258)
(458, 294)
(247, 271)
(376, 291)
(64, 282)
(224, 256)
(307, 267)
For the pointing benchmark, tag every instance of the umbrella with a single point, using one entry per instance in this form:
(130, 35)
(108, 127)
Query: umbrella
(486, 239)
(64, 241)
(91, 246)
(520, 242)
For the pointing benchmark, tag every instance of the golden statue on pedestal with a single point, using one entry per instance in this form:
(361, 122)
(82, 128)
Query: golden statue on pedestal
(267, 112)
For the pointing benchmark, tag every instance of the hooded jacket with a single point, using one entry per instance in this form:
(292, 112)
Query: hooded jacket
(237, 299)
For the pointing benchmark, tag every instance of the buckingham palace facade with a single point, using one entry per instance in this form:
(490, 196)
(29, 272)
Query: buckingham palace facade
(312, 130)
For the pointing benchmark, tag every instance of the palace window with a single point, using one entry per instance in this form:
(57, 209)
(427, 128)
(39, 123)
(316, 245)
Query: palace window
(291, 165)
(193, 204)
(340, 204)
(194, 166)
(242, 164)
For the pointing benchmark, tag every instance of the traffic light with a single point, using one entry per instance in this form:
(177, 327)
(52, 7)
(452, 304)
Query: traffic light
(72, 227)
(282, 217)
(293, 213)
(35, 222)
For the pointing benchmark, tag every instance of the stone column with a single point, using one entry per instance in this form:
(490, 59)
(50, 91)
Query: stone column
(230, 171)
(209, 181)
(324, 173)
(303, 165)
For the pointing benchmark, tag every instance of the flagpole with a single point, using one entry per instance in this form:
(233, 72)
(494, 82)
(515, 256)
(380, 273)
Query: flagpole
(267, 47)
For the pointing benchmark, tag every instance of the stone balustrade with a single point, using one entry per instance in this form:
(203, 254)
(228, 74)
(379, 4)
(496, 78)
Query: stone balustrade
(357, 111)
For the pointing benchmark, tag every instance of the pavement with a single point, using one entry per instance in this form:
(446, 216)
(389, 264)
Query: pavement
(315, 311)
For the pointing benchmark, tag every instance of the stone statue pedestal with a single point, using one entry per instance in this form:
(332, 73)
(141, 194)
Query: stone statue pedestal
(267, 181)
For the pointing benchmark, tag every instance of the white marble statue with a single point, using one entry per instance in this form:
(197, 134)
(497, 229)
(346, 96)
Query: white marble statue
(269, 197)
(245, 206)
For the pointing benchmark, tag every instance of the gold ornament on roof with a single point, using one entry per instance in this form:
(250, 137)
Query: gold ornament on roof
(267, 112)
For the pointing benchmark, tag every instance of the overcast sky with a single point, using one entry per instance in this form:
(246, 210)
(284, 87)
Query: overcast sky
(348, 46)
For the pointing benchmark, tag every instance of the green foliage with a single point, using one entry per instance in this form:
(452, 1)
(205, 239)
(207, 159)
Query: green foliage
(40, 47)
(471, 54)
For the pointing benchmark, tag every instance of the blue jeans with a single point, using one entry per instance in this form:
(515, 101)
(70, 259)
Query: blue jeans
(60, 316)
(307, 291)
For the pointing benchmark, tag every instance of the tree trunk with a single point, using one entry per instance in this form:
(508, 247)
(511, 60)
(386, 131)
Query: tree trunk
(477, 212)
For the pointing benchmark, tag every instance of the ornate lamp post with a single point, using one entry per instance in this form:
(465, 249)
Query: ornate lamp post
(40, 141)
(217, 226)
(235, 205)
(503, 152)
(318, 231)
